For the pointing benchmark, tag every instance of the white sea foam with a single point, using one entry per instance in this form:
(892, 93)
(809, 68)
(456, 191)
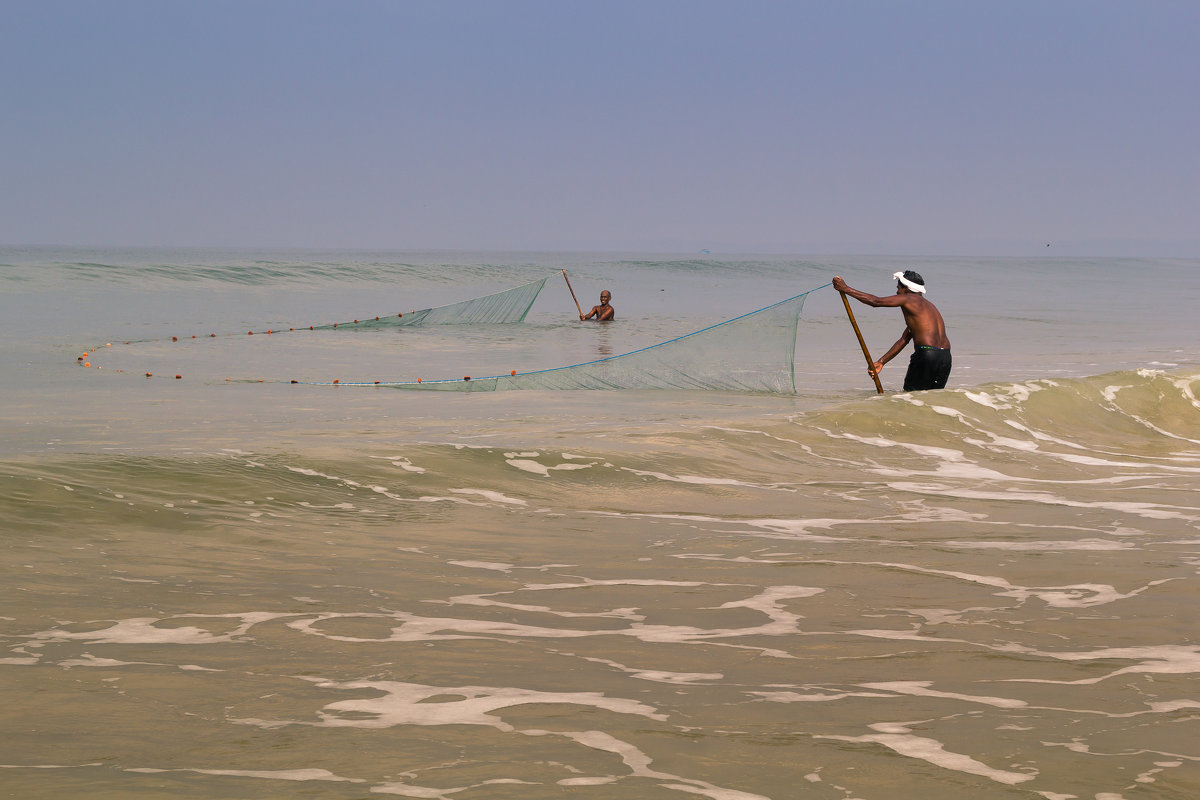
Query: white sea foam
(657, 675)
(51, 766)
(921, 689)
(696, 479)
(639, 765)
(589, 582)
(1147, 510)
(537, 468)
(495, 497)
(617, 613)
(1168, 706)
(411, 627)
(1093, 545)
(801, 529)
(793, 528)
(313, 774)
(899, 739)
(89, 660)
(949, 463)
(1002, 442)
(401, 462)
(483, 565)
(433, 498)
(144, 630)
(1042, 436)
(430, 793)
(312, 473)
(401, 703)
(484, 600)
(1184, 385)
(529, 466)
(597, 781)
(811, 697)
(1009, 396)
(1152, 660)
(1080, 595)
(1093, 461)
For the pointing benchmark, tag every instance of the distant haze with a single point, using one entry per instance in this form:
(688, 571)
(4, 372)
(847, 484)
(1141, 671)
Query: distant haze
(997, 127)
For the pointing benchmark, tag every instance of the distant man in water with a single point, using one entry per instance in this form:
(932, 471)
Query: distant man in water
(602, 312)
(929, 367)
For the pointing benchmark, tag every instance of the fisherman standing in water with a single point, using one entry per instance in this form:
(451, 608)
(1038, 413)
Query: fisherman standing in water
(929, 366)
(602, 312)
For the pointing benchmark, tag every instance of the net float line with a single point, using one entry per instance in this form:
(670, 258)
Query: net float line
(509, 306)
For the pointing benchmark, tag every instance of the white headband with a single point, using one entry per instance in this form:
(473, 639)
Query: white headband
(913, 286)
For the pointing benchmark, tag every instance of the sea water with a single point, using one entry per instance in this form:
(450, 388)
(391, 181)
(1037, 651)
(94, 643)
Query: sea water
(225, 584)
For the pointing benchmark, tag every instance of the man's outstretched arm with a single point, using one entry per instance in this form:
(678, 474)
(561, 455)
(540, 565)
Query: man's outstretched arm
(863, 297)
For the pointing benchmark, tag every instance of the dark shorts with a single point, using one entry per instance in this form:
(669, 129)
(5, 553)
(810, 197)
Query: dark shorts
(929, 368)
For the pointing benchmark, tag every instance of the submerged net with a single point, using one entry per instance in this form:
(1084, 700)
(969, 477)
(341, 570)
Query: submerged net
(754, 352)
(504, 307)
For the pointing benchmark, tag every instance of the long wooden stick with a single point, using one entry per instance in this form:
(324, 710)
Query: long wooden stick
(863, 344)
(573, 297)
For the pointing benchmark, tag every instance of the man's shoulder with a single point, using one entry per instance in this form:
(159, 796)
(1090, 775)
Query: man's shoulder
(917, 300)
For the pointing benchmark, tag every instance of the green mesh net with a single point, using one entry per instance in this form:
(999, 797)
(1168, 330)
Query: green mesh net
(754, 352)
(504, 307)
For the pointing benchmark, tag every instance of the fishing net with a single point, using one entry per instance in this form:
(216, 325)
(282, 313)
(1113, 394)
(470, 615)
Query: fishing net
(754, 352)
(504, 307)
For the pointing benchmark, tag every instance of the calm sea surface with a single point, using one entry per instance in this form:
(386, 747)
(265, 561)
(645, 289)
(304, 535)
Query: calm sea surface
(230, 585)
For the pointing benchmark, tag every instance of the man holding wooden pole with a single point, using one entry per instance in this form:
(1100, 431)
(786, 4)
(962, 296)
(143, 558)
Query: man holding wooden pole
(602, 312)
(929, 367)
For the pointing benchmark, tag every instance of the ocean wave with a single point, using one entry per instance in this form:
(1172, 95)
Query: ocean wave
(166, 268)
(1140, 409)
(1125, 444)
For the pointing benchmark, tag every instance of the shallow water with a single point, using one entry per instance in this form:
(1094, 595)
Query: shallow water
(235, 588)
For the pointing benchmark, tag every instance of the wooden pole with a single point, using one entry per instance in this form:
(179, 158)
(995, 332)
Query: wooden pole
(573, 297)
(862, 343)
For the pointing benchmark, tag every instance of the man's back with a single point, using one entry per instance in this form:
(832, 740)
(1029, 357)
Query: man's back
(925, 321)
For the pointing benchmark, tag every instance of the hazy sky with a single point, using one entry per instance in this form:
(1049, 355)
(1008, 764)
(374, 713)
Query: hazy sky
(987, 127)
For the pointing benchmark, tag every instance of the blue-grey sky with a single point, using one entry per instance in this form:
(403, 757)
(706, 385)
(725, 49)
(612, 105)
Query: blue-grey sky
(988, 127)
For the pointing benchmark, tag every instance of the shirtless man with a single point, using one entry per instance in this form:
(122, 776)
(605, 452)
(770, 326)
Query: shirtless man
(929, 366)
(602, 312)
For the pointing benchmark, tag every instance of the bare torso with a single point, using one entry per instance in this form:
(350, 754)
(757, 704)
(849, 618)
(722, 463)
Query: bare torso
(924, 321)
